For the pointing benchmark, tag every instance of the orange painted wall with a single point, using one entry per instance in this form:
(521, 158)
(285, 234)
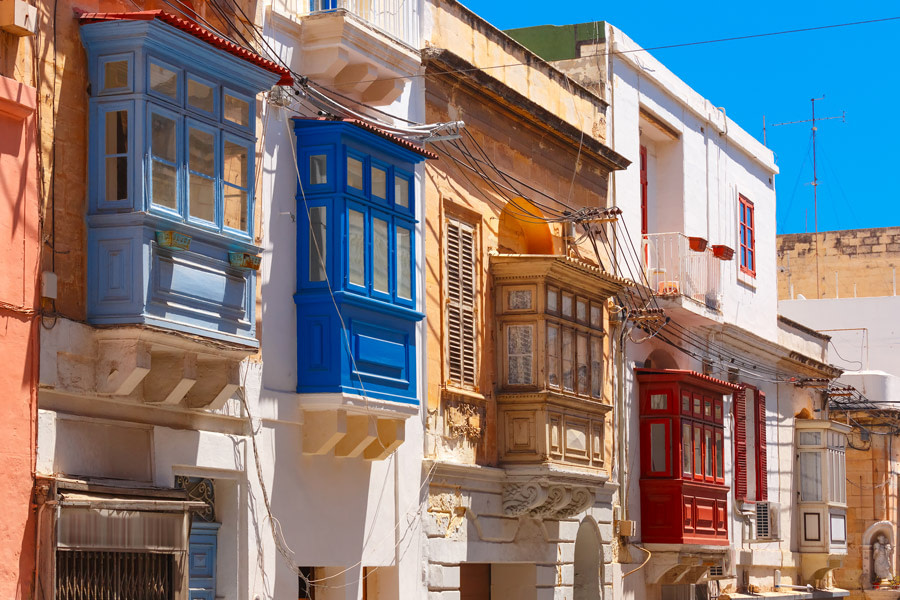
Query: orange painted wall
(19, 252)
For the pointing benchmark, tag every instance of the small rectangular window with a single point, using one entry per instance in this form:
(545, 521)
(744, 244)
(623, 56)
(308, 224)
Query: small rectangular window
(697, 406)
(658, 459)
(163, 80)
(318, 236)
(809, 438)
(202, 173)
(401, 192)
(116, 155)
(115, 75)
(201, 96)
(519, 354)
(237, 110)
(354, 173)
(686, 448)
(404, 254)
(380, 257)
(318, 169)
(379, 182)
(553, 355)
(707, 409)
(356, 253)
(568, 360)
(518, 300)
(685, 402)
(747, 236)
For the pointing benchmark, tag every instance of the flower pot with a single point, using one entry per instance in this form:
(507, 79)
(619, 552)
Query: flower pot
(244, 260)
(173, 240)
(723, 252)
(697, 244)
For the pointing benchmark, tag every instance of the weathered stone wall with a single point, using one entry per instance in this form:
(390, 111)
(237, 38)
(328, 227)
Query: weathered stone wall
(851, 263)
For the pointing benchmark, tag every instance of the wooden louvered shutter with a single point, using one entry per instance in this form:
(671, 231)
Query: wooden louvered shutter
(740, 444)
(461, 333)
(762, 479)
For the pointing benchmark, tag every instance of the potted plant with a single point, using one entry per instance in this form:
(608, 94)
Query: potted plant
(723, 252)
(697, 244)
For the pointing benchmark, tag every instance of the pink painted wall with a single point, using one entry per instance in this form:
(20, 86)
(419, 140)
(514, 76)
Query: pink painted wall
(19, 331)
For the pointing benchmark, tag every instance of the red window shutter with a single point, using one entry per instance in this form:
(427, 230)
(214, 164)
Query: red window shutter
(740, 444)
(762, 480)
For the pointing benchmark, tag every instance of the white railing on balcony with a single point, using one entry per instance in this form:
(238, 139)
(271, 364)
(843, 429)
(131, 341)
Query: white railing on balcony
(397, 18)
(674, 269)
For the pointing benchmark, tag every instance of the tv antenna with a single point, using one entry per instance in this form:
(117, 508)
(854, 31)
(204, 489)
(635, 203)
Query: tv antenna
(815, 181)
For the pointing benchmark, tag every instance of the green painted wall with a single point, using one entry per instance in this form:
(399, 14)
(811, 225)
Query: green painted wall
(558, 42)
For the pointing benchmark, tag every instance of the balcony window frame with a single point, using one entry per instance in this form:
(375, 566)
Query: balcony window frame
(747, 235)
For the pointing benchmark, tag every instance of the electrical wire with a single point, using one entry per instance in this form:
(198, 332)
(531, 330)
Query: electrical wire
(635, 50)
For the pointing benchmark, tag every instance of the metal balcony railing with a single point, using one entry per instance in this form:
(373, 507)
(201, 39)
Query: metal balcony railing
(397, 18)
(674, 269)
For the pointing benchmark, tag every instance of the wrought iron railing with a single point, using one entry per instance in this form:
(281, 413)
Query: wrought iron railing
(97, 575)
(673, 268)
(397, 18)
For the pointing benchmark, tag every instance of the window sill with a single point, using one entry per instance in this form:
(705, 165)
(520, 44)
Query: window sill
(746, 279)
(452, 390)
(157, 222)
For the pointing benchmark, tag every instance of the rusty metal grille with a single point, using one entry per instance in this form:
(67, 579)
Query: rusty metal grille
(93, 575)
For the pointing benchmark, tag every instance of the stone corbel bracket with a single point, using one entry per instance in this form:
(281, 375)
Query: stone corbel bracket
(541, 499)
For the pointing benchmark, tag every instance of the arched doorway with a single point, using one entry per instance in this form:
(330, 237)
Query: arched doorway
(587, 561)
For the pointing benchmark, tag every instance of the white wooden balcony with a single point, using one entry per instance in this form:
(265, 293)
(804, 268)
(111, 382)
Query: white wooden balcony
(676, 267)
(365, 49)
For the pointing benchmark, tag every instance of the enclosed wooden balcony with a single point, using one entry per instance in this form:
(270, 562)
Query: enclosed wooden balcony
(553, 392)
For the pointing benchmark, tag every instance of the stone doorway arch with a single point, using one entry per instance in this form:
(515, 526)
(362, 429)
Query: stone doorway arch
(587, 561)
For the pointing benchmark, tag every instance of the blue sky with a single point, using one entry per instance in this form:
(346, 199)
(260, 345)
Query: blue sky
(856, 68)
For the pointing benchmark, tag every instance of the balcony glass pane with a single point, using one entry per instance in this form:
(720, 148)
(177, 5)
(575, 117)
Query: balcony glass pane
(404, 277)
(163, 81)
(552, 299)
(698, 451)
(567, 301)
(116, 166)
(810, 477)
(707, 436)
(236, 188)
(379, 182)
(809, 438)
(201, 96)
(659, 401)
(658, 447)
(380, 258)
(237, 110)
(553, 356)
(519, 353)
(354, 173)
(401, 192)
(584, 380)
(596, 316)
(356, 255)
(686, 448)
(581, 310)
(202, 164)
(115, 75)
(596, 367)
(163, 185)
(318, 169)
(318, 236)
(720, 456)
(568, 360)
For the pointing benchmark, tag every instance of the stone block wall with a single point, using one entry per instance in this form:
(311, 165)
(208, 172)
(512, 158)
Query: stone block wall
(851, 263)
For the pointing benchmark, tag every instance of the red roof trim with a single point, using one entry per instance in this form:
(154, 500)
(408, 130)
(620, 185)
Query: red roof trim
(378, 131)
(195, 30)
(689, 374)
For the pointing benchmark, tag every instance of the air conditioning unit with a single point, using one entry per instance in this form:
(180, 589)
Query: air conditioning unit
(766, 521)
